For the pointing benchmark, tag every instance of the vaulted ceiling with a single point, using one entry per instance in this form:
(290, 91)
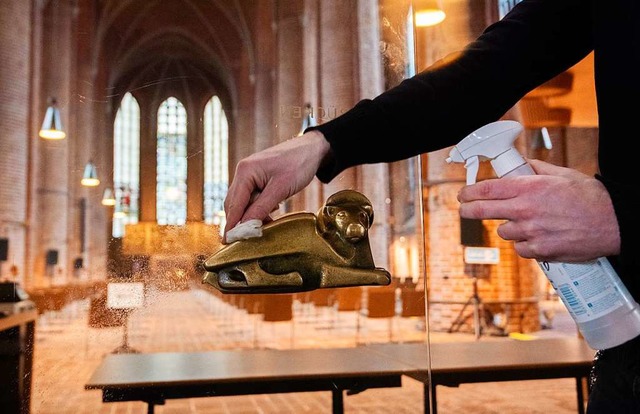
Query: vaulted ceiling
(141, 43)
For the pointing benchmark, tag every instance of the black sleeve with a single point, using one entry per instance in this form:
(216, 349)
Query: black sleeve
(626, 206)
(537, 40)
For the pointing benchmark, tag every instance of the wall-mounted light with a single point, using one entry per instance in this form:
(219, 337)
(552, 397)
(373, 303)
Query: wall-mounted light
(52, 124)
(108, 199)
(428, 13)
(90, 175)
(542, 139)
(307, 120)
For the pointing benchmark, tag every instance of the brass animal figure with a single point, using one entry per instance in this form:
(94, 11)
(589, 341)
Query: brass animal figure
(301, 252)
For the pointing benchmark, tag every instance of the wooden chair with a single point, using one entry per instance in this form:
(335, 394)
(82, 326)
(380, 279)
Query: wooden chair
(413, 303)
(349, 301)
(279, 308)
(414, 307)
(381, 304)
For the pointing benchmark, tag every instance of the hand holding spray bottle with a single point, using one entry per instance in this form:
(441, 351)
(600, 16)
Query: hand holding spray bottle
(604, 310)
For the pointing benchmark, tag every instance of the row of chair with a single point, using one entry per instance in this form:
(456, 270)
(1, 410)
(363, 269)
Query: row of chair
(324, 306)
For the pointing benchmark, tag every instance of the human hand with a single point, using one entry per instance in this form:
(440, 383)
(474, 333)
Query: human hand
(558, 215)
(266, 178)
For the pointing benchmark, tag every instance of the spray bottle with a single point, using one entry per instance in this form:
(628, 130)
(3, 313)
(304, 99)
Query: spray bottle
(604, 310)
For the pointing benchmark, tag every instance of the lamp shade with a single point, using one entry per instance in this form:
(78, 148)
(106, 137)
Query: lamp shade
(90, 175)
(119, 212)
(307, 120)
(52, 124)
(428, 13)
(108, 199)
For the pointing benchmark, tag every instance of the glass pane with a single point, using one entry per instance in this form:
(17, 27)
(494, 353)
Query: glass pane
(166, 98)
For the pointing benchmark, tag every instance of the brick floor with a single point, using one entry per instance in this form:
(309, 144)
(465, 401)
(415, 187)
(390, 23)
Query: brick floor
(67, 351)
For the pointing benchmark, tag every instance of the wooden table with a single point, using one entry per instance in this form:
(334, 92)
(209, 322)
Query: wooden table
(156, 377)
(456, 363)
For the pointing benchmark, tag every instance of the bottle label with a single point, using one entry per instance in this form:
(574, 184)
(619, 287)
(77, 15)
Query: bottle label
(588, 290)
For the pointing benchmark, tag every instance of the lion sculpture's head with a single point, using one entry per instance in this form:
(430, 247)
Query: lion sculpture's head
(346, 214)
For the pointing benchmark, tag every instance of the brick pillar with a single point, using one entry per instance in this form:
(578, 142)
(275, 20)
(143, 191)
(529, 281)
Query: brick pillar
(264, 76)
(450, 279)
(53, 182)
(313, 193)
(374, 178)
(148, 157)
(90, 228)
(290, 104)
(195, 161)
(339, 74)
(15, 53)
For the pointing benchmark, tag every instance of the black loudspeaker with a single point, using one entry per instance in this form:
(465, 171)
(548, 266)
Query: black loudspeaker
(4, 250)
(52, 257)
(78, 263)
(471, 232)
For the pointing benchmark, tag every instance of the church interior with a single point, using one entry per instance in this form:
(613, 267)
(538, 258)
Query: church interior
(123, 122)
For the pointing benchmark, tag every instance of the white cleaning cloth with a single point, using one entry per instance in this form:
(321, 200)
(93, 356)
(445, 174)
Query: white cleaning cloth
(246, 230)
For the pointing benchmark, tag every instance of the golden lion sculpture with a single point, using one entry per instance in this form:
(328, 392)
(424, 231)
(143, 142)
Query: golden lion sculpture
(301, 252)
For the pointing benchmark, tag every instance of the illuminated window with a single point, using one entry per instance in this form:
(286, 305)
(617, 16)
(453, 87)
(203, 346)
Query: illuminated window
(171, 190)
(216, 164)
(505, 6)
(126, 162)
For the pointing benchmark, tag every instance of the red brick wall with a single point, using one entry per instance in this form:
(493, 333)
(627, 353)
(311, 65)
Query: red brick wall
(15, 49)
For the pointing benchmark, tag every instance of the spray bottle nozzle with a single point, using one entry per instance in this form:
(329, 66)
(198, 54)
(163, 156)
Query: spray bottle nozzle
(487, 143)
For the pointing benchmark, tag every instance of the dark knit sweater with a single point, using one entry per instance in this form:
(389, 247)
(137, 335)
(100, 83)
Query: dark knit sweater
(537, 40)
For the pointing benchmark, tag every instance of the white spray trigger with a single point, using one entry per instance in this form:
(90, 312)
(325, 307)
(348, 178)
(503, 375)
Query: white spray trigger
(472, 164)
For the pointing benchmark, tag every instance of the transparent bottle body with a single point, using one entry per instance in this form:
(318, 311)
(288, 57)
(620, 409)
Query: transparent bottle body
(597, 300)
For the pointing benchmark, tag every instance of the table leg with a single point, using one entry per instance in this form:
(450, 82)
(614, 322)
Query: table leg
(150, 408)
(429, 398)
(434, 401)
(338, 401)
(580, 394)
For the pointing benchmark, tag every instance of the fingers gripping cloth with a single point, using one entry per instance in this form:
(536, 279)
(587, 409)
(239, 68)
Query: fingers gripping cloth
(246, 230)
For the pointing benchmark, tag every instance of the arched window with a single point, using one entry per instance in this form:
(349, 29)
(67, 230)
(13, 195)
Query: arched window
(171, 190)
(216, 161)
(126, 162)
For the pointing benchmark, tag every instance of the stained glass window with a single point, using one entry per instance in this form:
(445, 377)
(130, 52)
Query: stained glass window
(505, 6)
(216, 164)
(126, 164)
(171, 190)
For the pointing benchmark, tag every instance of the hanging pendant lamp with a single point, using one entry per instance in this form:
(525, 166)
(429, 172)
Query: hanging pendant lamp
(108, 199)
(90, 175)
(119, 212)
(52, 124)
(428, 13)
